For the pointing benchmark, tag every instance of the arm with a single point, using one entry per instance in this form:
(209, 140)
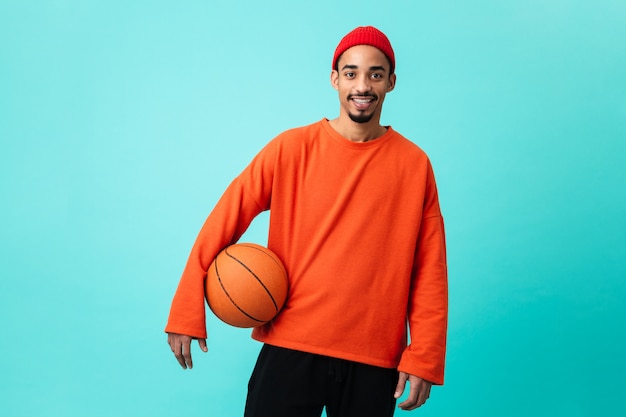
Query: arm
(247, 196)
(224, 226)
(427, 308)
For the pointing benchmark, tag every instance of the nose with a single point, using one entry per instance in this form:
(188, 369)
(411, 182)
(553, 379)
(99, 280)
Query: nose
(363, 84)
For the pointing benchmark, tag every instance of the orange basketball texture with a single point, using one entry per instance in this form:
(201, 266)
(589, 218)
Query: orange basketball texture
(246, 285)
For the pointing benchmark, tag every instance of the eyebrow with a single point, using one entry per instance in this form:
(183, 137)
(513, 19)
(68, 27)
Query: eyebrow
(373, 68)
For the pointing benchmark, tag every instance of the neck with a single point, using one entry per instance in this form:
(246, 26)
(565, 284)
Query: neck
(358, 132)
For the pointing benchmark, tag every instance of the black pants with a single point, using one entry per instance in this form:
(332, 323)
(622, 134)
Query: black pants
(289, 383)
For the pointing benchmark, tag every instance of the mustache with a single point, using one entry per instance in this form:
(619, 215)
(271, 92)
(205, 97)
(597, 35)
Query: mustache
(374, 96)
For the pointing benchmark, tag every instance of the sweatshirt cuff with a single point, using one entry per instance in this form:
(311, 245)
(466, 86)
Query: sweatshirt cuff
(414, 366)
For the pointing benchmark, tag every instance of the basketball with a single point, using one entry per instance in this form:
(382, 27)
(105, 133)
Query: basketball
(246, 285)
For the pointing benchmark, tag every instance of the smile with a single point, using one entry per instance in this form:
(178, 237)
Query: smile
(362, 102)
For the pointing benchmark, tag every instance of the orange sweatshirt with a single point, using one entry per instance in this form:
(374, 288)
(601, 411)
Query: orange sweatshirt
(359, 229)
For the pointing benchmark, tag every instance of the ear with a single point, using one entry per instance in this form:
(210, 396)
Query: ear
(334, 79)
(392, 82)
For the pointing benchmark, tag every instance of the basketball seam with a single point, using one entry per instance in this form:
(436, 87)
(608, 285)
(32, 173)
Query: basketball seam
(260, 249)
(255, 275)
(219, 279)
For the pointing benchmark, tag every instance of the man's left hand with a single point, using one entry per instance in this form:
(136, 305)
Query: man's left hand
(418, 394)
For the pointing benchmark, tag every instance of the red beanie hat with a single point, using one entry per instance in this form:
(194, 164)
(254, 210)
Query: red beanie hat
(365, 35)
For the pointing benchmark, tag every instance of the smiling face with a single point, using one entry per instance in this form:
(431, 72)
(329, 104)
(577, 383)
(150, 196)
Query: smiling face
(362, 79)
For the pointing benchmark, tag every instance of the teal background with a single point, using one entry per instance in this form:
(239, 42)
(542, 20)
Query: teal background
(121, 122)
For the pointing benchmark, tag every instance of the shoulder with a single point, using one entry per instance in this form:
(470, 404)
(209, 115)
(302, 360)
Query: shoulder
(406, 146)
(289, 145)
(295, 139)
(300, 133)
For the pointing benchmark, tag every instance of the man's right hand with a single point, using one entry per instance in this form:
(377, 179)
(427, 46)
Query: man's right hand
(181, 346)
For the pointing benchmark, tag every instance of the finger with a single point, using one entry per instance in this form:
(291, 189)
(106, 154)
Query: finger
(402, 377)
(411, 401)
(202, 344)
(186, 345)
(176, 344)
(177, 348)
(409, 404)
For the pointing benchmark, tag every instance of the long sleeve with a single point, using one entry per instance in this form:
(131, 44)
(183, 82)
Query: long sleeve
(230, 218)
(428, 297)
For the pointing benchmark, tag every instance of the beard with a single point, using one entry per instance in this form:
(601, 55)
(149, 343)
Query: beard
(361, 118)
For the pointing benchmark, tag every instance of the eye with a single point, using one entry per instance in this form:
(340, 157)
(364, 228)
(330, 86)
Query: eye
(376, 76)
(349, 75)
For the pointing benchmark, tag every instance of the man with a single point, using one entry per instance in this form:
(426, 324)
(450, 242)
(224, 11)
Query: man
(355, 217)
